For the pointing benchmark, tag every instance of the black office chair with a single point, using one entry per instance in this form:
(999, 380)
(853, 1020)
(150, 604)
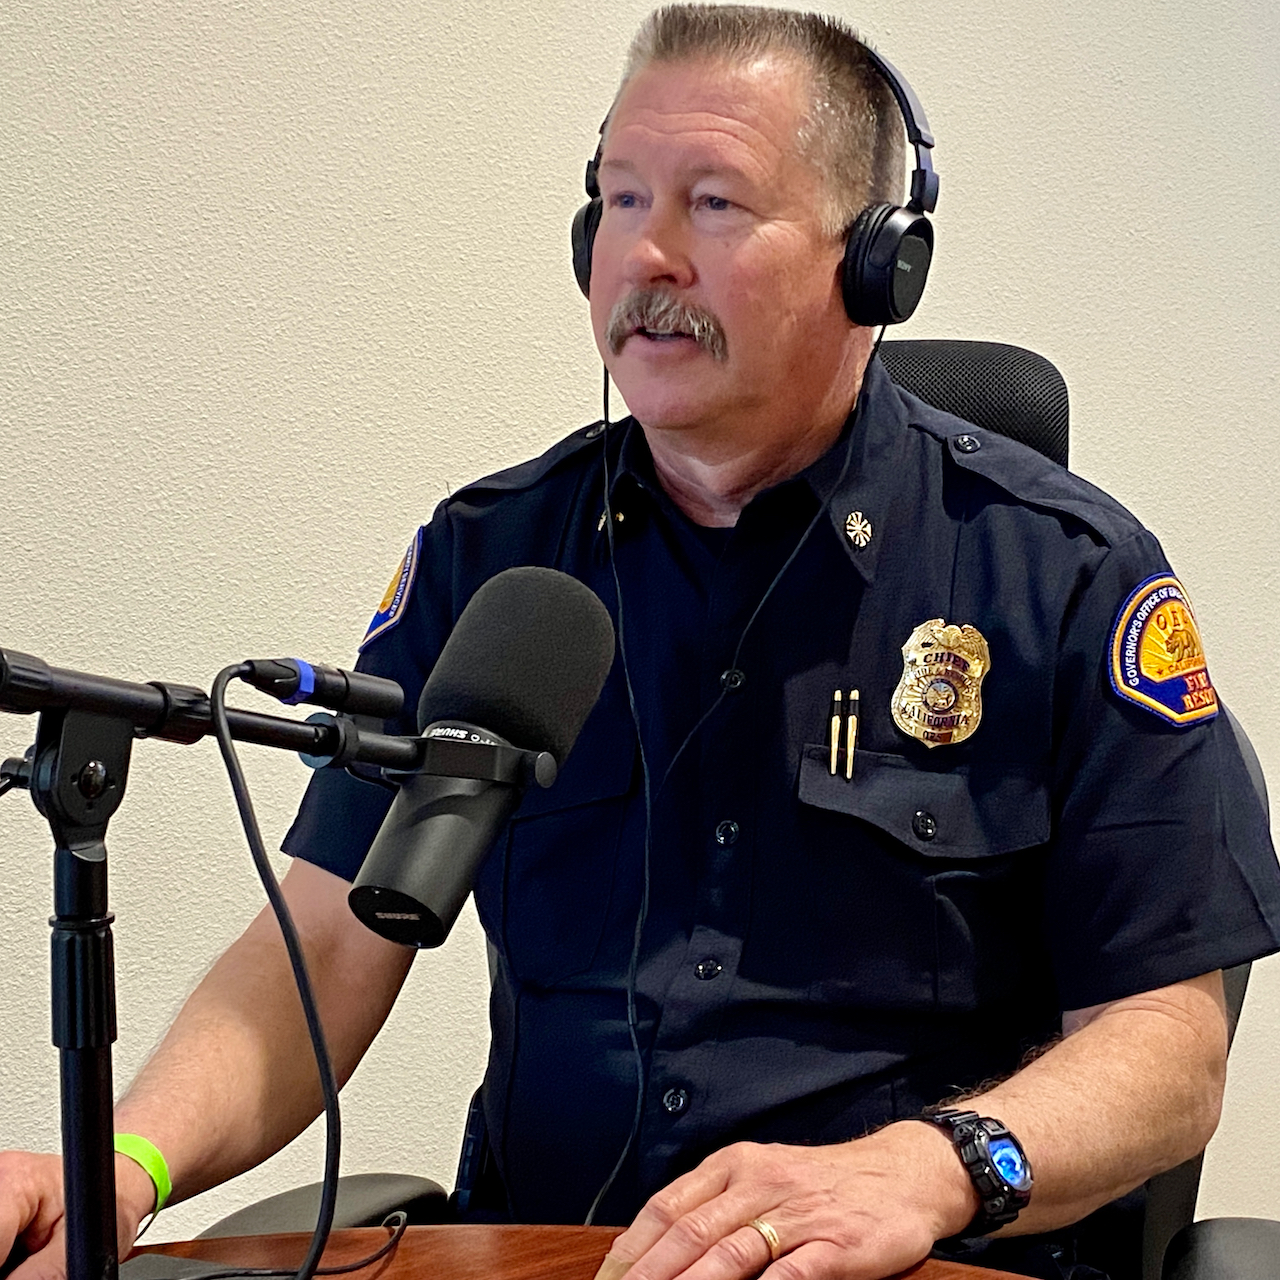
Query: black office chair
(1225, 1249)
(1218, 1248)
(998, 387)
(1004, 389)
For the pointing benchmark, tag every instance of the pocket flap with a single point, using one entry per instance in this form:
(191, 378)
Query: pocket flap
(967, 819)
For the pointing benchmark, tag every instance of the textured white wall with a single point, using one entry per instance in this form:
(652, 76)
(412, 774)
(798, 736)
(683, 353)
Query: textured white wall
(274, 278)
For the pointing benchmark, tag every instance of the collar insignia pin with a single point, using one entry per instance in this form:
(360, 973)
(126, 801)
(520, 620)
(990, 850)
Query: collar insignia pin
(858, 528)
(939, 698)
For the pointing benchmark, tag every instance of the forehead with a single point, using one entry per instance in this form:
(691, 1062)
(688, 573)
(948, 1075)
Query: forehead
(749, 113)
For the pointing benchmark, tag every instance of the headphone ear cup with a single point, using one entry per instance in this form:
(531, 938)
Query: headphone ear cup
(886, 264)
(582, 235)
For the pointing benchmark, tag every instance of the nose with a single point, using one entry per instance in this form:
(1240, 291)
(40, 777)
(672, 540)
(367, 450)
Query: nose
(660, 251)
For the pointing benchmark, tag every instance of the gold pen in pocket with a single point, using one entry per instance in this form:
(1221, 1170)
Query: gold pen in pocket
(851, 739)
(836, 719)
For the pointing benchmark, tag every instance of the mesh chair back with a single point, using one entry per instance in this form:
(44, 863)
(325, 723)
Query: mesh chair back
(1001, 388)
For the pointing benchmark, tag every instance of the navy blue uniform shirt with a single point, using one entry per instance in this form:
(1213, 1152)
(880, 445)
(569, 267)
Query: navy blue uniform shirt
(820, 956)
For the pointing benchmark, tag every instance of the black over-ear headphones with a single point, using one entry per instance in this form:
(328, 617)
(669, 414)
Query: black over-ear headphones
(887, 255)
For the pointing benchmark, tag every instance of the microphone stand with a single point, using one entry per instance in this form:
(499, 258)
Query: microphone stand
(81, 764)
(76, 773)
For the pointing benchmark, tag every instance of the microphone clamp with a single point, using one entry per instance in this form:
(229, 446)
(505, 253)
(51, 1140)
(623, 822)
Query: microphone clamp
(456, 749)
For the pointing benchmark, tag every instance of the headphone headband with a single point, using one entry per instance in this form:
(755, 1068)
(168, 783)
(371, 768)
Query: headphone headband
(924, 181)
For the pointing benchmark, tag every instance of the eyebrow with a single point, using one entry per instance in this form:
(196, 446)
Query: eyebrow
(700, 171)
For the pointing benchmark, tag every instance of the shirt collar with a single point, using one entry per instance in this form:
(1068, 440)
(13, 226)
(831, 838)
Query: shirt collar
(861, 497)
(858, 477)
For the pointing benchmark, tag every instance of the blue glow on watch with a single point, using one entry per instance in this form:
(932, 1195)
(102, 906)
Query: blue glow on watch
(1010, 1163)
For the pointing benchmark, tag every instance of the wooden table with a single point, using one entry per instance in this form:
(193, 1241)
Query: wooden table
(468, 1253)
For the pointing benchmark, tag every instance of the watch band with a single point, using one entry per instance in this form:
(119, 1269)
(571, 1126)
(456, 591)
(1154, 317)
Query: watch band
(984, 1145)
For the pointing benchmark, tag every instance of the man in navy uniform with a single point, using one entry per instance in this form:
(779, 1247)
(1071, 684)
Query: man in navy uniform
(1014, 902)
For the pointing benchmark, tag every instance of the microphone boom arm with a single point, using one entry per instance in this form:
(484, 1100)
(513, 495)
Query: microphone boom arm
(180, 713)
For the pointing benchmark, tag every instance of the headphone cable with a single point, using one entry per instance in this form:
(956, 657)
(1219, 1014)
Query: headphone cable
(649, 797)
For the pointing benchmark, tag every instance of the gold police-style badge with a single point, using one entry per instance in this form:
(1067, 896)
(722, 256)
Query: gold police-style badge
(939, 698)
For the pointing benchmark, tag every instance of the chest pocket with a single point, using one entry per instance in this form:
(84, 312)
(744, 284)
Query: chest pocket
(945, 870)
(547, 892)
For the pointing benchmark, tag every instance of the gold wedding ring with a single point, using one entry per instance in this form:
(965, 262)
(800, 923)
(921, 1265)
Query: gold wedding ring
(770, 1237)
(612, 1268)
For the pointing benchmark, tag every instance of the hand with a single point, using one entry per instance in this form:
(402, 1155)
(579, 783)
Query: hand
(858, 1211)
(32, 1211)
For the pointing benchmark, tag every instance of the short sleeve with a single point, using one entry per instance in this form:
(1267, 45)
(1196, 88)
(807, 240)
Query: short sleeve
(1161, 866)
(340, 814)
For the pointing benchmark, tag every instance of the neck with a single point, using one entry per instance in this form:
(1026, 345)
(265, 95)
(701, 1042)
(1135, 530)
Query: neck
(712, 476)
(711, 486)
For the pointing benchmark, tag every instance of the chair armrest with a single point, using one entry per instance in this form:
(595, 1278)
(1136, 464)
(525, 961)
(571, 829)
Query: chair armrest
(1224, 1249)
(364, 1199)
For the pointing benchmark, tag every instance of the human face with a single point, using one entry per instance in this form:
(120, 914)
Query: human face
(708, 201)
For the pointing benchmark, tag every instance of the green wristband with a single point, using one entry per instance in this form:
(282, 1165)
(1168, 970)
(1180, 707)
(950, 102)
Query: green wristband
(146, 1154)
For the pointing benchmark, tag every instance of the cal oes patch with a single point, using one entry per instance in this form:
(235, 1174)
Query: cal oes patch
(391, 610)
(1157, 659)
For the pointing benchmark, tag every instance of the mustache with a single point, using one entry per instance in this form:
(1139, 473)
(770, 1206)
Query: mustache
(661, 312)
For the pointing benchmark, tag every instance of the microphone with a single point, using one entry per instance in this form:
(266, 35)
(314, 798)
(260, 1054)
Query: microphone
(519, 674)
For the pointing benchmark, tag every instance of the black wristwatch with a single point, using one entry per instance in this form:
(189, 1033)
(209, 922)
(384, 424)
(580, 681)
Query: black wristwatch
(995, 1162)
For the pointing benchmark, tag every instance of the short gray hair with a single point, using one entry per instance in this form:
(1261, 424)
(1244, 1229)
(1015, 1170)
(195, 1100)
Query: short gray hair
(853, 131)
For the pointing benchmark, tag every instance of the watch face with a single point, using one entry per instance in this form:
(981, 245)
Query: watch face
(1010, 1163)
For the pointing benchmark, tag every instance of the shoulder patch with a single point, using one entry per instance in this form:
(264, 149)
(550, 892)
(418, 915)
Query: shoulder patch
(1157, 659)
(391, 610)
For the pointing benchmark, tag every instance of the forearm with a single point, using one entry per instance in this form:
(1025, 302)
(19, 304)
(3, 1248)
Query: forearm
(231, 1082)
(1133, 1091)
(235, 1078)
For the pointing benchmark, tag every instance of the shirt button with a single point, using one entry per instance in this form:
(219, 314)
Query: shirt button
(726, 833)
(732, 679)
(675, 1100)
(707, 969)
(968, 444)
(924, 825)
